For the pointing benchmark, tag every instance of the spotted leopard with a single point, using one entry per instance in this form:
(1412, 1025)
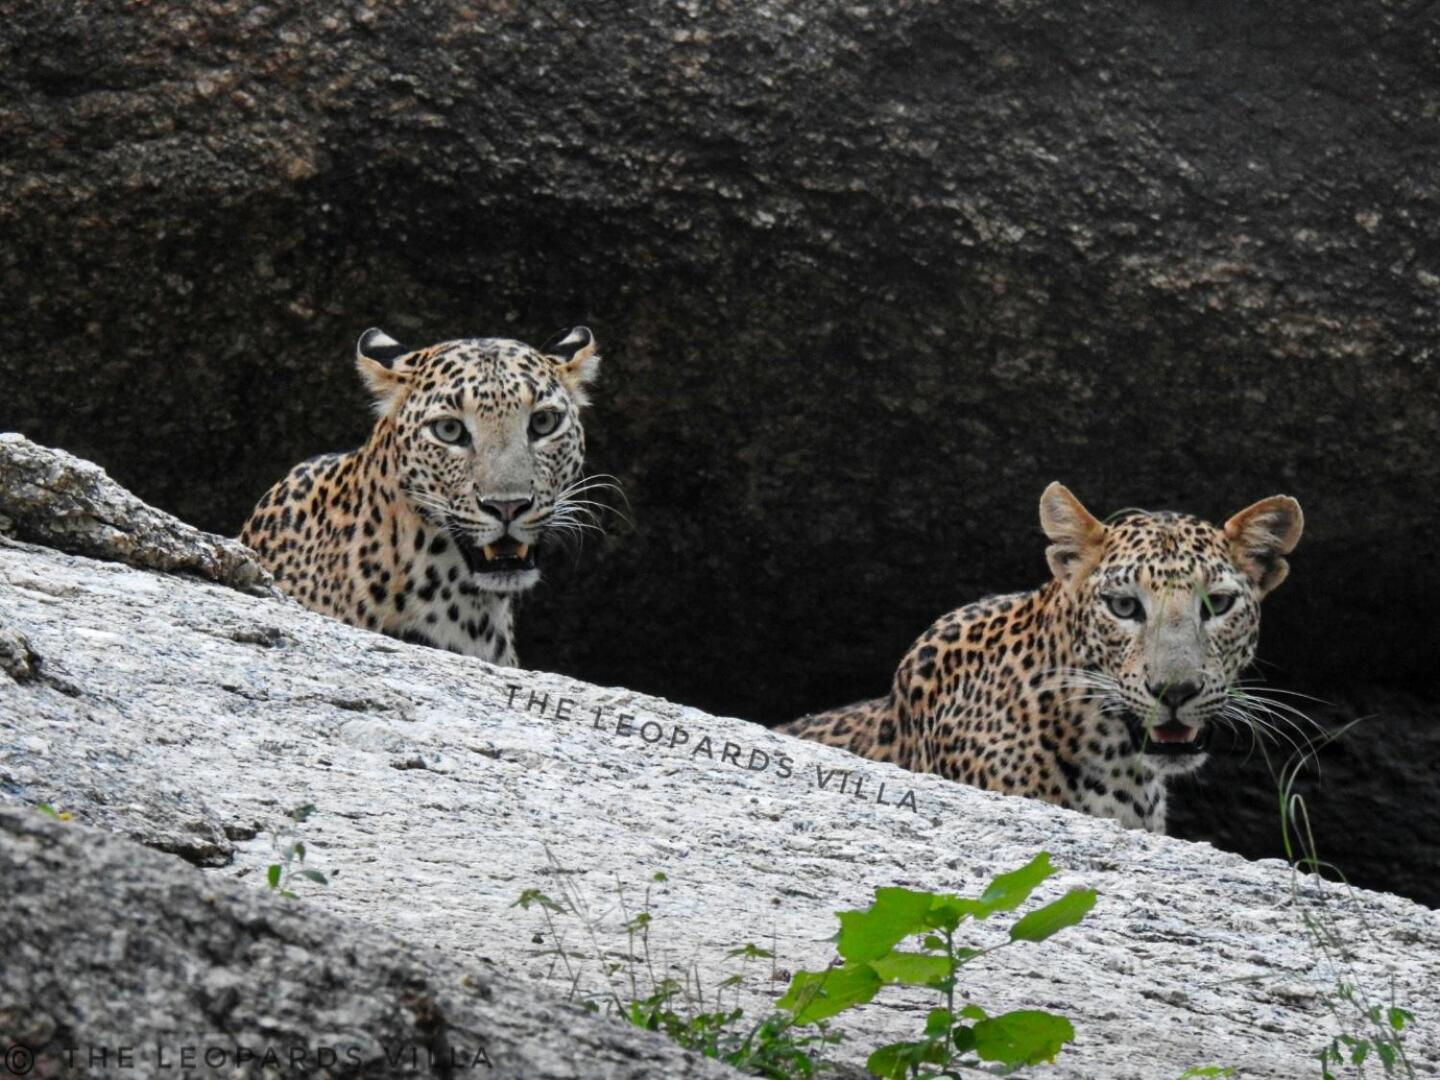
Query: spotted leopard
(1093, 690)
(428, 530)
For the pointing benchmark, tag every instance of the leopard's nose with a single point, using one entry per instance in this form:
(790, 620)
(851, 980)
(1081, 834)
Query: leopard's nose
(507, 510)
(1175, 694)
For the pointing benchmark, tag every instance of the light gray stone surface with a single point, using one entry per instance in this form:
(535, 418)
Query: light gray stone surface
(192, 716)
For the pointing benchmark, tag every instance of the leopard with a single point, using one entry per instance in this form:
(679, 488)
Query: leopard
(431, 529)
(1096, 689)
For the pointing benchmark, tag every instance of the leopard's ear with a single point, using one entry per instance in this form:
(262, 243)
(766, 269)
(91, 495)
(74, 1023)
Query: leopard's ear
(1262, 535)
(376, 356)
(1076, 538)
(577, 359)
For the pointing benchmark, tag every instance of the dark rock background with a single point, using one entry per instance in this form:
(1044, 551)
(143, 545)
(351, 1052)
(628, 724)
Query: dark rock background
(867, 277)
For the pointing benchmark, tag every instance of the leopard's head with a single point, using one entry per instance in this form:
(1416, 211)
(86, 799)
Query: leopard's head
(487, 441)
(1166, 611)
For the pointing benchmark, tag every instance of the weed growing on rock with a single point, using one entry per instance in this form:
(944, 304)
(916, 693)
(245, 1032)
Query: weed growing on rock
(291, 851)
(1369, 1031)
(964, 1037)
(683, 1010)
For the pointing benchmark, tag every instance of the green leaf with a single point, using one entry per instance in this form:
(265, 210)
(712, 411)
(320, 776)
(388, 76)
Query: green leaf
(314, 875)
(933, 941)
(964, 1039)
(974, 1012)
(1054, 917)
(819, 995)
(938, 1022)
(1201, 1071)
(896, 1060)
(46, 808)
(298, 849)
(1387, 1055)
(660, 876)
(1023, 1037)
(273, 875)
(1360, 1053)
(750, 952)
(535, 896)
(1009, 891)
(912, 969)
(1400, 1017)
(895, 915)
(947, 912)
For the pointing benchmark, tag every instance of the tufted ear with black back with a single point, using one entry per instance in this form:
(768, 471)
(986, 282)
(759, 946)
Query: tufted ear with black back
(576, 360)
(1076, 537)
(376, 356)
(1262, 535)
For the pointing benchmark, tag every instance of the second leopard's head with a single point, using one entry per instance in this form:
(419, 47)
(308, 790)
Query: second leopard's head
(488, 444)
(1167, 613)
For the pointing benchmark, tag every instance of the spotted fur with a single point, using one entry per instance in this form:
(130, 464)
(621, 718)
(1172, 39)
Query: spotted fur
(1093, 689)
(427, 531)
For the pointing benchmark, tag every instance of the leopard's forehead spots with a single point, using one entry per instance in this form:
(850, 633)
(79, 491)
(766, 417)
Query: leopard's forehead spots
(484, 374)
(1162, 548)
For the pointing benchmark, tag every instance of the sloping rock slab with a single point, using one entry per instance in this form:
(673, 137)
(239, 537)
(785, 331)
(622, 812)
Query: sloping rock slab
(54, 498)
(118, 962)
(445, 786)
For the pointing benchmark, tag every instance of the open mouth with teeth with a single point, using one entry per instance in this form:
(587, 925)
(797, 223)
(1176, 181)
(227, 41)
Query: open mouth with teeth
(1176, 738)
(1170, 739)
(503, 556)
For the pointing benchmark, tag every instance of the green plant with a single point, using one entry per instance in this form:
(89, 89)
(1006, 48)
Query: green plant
(291, 851)
(1201, 1071)
(1369, 1031)
(964, 1036)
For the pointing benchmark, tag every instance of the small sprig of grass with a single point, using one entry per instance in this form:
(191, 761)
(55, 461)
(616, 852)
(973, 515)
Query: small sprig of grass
(290, 850)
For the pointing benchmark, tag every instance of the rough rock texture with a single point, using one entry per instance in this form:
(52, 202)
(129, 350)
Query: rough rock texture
(53, 498)
(118, 962)
(186, 714)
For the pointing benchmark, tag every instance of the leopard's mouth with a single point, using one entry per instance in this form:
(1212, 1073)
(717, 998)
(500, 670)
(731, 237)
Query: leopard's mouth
(1170, 739)
(506, 555)
(1177, 738)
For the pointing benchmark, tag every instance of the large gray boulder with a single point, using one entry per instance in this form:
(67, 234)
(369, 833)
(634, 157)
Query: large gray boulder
(191, 716)
(120, 962)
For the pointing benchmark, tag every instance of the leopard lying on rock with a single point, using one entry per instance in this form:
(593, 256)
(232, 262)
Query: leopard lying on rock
(1092, 690)
(427, 531)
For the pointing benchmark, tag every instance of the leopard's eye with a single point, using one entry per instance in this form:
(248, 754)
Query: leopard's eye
(544, 423)
(450, 431)
(1213, 605)
(1124, 606)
